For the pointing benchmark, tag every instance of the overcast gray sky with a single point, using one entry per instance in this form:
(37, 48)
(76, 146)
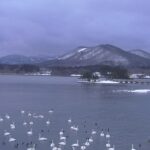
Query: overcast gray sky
(52, 27)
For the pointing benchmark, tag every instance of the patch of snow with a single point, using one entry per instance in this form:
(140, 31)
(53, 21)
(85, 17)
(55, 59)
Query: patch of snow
(66, 56)
(142, 91)
(107, 82)
(75, 75)
(141, 53)
(82, 49)
(93, 53)
(83, 81)
(147, 77)
(99, 82)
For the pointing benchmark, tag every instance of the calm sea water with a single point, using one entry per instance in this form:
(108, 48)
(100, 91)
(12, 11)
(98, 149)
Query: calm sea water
(127, 115)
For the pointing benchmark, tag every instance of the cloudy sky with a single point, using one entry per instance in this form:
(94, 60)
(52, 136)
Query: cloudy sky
(52, 27)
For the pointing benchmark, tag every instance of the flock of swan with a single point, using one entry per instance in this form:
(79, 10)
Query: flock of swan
(33, 139)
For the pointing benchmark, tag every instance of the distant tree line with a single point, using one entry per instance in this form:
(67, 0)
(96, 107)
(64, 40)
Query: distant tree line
(114, 72)
(89, 76)
(86, 71)
(4, 68)
(105, 70)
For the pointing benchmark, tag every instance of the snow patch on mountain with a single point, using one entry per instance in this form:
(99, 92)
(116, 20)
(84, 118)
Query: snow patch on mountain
(66, 56)
(82, 49)
(141, 53)
(104, 54)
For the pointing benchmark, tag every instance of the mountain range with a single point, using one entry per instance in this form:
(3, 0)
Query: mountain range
(141, 53)
(21, 59)
(104, 54)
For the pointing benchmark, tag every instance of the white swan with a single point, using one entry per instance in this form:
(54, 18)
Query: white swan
(74, 128)
(75, 144)
(133, 147)
(6, 133)
(102, 134)
(52, 144)
(93, 132)
(62, 138)
(51, 111)
(108, 144)
(83, 147)
(31, 123)
(29, 114)
(24, 123)
(62, 143)
(87, 143)
(48, 122)
(12, 126)
(107, 135)
(30, 132)
(90, 139)
(41, 116)
(69, 120)
(1, 119)
(61, 132)
(11, 139)
(7, 116)
(22, 112)
(42, 138)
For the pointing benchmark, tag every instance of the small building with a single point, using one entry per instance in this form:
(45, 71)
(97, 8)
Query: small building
(147, 77)
(75, 75)
(136, 76)
(98, 74)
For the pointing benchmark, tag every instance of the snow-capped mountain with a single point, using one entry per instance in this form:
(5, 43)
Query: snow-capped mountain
(20, 59)
(102, 54)
(86, 56)
(141, 53)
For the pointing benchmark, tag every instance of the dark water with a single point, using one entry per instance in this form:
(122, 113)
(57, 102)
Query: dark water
(127, 115)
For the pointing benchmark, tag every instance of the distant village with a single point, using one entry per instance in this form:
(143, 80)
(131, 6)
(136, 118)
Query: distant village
(98, 78)
(97, 75)
(131, 76)
(89, 73)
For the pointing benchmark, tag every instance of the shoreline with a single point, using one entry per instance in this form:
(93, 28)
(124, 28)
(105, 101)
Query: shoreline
(116, 81)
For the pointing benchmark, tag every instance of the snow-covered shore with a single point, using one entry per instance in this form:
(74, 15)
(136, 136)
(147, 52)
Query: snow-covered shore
(99, 81)
(135, 91)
